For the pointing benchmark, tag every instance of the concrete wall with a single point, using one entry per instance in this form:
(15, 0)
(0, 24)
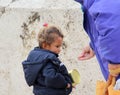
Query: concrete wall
(20, 21)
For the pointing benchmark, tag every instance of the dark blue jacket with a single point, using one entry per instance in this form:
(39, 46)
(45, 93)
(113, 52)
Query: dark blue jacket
(45, 72)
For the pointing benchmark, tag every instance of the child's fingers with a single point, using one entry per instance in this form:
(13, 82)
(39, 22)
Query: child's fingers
(74, 87)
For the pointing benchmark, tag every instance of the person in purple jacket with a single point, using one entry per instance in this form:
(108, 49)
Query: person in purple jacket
(101, 22)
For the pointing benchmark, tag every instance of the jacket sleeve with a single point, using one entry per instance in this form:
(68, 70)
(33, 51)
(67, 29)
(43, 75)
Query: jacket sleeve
(79, 1)
(91, 45)
(64, 72)
(108, 27)
(53, 78)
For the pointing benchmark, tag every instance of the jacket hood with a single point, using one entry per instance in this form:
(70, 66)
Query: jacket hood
(35, 62)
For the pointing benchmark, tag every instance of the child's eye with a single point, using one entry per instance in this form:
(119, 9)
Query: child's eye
(58, 46)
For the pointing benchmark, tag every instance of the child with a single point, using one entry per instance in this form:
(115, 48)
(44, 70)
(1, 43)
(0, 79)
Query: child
(43, 70)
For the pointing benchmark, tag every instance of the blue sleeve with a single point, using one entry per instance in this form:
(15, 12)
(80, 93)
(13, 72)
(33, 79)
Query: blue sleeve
(53, 78)
(91, 46)
(79, 1)
(108, 27)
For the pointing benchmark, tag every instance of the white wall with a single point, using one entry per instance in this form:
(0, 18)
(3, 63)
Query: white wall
(20, 21)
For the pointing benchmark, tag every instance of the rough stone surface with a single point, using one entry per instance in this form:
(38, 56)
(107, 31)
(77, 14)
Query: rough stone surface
(20, 21)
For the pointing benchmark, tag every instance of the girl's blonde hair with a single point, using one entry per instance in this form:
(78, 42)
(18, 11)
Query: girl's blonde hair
(48, 34)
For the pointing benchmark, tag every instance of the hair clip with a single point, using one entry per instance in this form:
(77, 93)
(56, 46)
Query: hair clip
(45, 24)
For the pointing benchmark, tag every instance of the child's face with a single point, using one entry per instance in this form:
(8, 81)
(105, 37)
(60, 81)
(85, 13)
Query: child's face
(55, 46)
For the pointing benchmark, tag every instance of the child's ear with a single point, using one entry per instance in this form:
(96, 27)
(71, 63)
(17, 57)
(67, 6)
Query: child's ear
(44, 45)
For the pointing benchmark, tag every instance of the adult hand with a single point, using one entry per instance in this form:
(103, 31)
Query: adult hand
(86, 54)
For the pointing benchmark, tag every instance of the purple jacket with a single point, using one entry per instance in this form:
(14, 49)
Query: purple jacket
(101, 22)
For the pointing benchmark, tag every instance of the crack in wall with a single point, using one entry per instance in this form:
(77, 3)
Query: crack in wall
(13, 1)
(2, 11)
(27, 35)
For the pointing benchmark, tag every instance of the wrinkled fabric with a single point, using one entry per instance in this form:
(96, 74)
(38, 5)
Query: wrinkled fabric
(43, 71)
(101, 22)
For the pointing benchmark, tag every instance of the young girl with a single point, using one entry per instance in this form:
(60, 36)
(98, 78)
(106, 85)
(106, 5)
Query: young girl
(43, 70)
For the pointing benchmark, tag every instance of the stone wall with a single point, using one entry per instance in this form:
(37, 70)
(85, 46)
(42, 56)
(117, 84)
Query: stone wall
(20, 21)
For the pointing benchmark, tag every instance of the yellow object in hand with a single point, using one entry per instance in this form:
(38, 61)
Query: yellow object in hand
(75, 76)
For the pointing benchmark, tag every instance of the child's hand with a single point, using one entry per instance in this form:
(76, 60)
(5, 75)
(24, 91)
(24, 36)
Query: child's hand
(73, 86)
(68, 85)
